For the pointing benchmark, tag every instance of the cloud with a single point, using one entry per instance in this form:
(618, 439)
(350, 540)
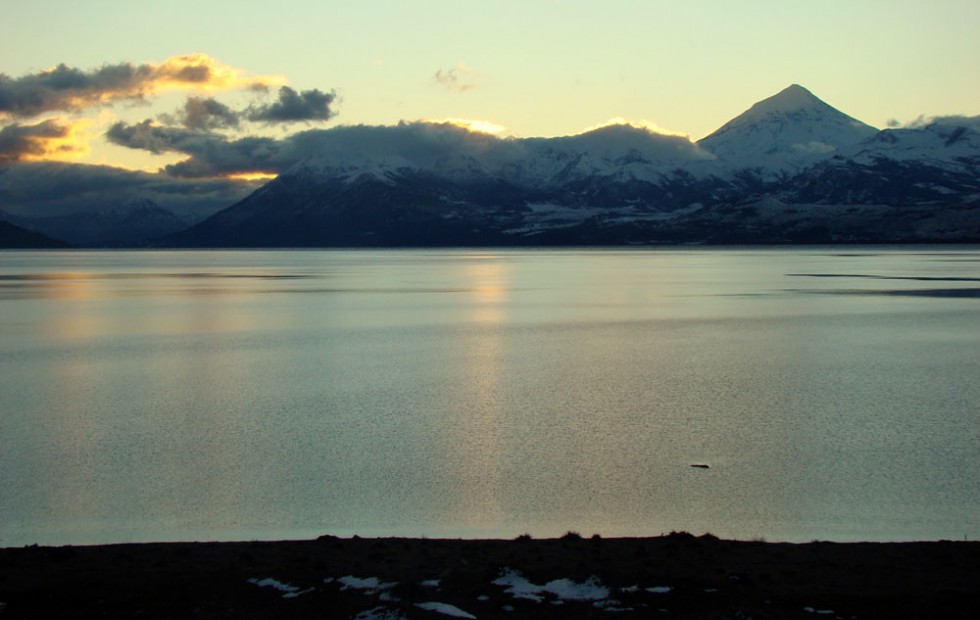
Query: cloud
(454, 79)
(65, 88)
(222, 158)
(210, 175)
(204, 114)
(210, 154)
(208, 114)
(646, 125)
(294, 107)
(422, 144)
(471, 124)
(958, 120)
(157, 139)
(48, 139)
(57, 188)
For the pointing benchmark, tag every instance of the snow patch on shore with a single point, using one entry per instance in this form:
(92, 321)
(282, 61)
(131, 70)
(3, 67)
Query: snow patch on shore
(379, 613)
(370, 585)
(819, 612)
(288, 589)
(446, 609)
(564, 589)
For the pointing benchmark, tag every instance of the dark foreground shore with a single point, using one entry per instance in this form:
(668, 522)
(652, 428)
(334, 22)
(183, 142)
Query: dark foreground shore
(676, 576)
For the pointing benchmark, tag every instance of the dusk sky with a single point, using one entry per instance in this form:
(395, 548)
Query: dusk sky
(520, 67)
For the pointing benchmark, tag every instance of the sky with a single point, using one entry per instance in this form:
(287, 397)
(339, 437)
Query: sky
(517, 67)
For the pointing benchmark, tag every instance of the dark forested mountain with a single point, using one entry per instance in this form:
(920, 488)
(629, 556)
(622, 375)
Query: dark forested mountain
(15, 237)
(130, 223)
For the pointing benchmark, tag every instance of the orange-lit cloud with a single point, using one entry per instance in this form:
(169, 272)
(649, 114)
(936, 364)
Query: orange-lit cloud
(64, 88)
(252, 176)
(470, 124)
(201, 72)
(52, 139)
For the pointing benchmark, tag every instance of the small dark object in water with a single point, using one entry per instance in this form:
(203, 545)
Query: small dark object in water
(701, 465)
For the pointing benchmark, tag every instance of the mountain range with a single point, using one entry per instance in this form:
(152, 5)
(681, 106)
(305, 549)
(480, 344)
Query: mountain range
(790, 169)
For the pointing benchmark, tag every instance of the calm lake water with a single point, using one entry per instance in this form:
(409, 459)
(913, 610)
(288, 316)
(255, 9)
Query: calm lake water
(222, 395)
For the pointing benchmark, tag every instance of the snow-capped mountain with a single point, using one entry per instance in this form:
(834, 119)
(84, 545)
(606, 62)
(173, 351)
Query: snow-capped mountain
(784, 133)
(945, 141)
(791, 168)
(454, 153)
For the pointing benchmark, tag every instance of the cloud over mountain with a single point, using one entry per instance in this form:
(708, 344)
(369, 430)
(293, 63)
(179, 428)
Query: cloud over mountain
(408, 144)
(47, 188)
(213, 154)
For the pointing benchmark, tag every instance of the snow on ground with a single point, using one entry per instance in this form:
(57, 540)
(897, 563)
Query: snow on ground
(288, 590)
(564, 589)
(379, 613)
(269, 582)
(431, 583)
(370, 585)
(819, 612)
(445, 609)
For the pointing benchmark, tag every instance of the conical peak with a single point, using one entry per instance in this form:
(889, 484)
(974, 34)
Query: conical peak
(792, 98)
(790, 101)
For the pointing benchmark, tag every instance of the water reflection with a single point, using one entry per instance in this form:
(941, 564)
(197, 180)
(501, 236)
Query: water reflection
(165, 396)
(475, 408)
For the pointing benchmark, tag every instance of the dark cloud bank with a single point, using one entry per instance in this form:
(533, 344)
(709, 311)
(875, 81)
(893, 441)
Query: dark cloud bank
(44, 189)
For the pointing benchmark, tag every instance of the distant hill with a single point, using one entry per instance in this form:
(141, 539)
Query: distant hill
(15, 237)
(131, 223)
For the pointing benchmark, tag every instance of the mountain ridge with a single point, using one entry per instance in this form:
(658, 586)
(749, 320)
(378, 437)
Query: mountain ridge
(789, 169)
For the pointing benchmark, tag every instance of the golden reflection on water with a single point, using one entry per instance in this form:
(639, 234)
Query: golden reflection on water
(488, 289)
(476, 440)
(70, 287)
(66, 285)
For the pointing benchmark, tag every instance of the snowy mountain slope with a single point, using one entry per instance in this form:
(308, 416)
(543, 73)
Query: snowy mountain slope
(784, 133)
(454, 153)
(622, 152)
(790, 169)
(943, 142)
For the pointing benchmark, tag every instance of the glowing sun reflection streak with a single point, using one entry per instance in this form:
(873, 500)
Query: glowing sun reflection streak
(477, 408)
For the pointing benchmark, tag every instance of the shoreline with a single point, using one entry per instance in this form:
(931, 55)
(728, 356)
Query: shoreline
(392, 578)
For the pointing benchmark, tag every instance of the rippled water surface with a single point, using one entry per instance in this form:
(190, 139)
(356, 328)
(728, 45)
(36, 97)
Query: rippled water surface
(833, 393)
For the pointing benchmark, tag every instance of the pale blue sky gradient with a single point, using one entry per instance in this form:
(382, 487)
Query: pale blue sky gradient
(537, 67)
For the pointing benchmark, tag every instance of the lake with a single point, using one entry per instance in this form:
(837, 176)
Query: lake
(833, 393)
